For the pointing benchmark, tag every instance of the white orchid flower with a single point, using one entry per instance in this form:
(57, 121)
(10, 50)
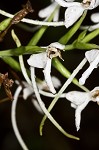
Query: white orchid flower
(44, 59)
(46, 12)
(93, 58)
(75, 9)
(79, 100)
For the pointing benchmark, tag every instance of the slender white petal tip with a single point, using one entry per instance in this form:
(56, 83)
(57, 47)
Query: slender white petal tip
(37, 106)
(47, 75)
(56, 82)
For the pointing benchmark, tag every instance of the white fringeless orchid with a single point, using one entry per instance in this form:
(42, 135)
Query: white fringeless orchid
(43, 60)
(46, 12)
(93, 58)
(79, 101)
(76, 9)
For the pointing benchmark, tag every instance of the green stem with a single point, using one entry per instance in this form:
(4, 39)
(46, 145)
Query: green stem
(85, 46)
(12, 63)
(91, 35)
(21, 50)
(59, 66)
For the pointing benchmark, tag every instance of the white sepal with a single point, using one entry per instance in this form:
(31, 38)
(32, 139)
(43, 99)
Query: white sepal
(56, 82)
(72, 14)
(47, 11)
(38, 60)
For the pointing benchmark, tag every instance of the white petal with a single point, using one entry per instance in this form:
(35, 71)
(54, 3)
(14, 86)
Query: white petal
(37, 106)
(73, 105)
(56, 16)
(86, 74)
(96, 88)
(77, 97)
(67, 4)
(57, 45)
(56, 82)
(91, 55)
(93, 4)
(38, 60)
(70, 0)
(47, 11)
(47, 76)
(72, 14)
(95, 17)
(96, 3)
(27, 92)
(93, 27)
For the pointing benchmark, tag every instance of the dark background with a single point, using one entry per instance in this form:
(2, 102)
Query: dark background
(28, 118)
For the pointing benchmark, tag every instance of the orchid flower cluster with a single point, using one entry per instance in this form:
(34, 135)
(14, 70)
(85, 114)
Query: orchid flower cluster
(44, 57)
